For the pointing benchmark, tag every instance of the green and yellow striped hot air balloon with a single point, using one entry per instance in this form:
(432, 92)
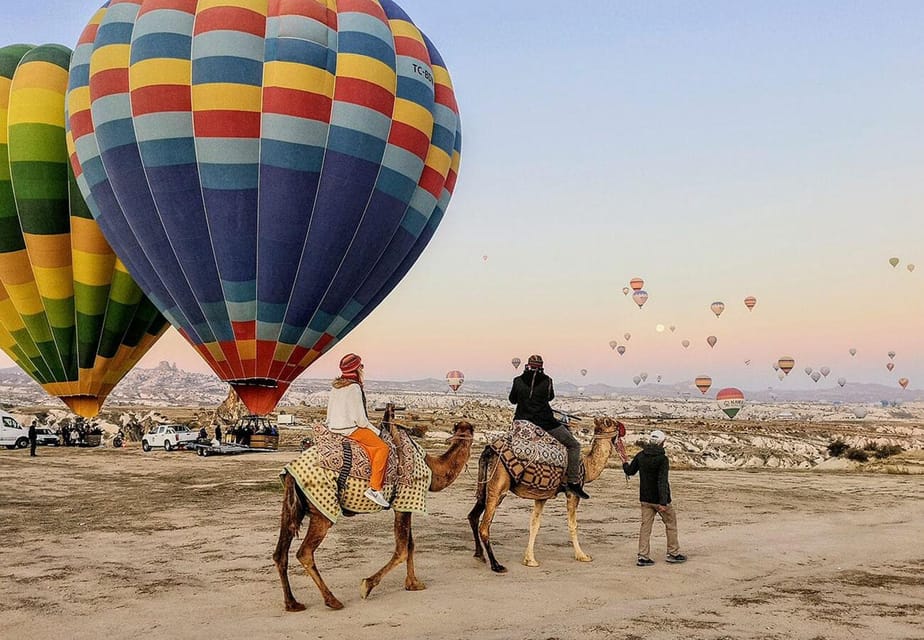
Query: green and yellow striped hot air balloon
(70, 315)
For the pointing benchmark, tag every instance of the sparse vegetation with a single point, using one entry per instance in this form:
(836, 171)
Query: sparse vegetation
(859, 455)
(888, 450)
(837, 448)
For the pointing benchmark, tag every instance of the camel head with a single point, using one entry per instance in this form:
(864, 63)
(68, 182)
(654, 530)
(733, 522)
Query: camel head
(607, 427)
(462, 431)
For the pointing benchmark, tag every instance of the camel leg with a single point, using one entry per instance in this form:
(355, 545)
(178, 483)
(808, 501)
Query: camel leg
(530, 559)
(495, 493)
(484, 462)
(318, 525)
(293, 512)
(579, 555)
(402, 538)
(411, 583)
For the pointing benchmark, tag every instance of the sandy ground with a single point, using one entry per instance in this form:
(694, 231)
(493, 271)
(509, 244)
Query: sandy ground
(122, 544)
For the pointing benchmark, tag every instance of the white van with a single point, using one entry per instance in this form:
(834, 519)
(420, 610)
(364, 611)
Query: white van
(12, 434)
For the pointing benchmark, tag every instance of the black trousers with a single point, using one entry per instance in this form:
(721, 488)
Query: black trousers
(32, 447)
(563, 435)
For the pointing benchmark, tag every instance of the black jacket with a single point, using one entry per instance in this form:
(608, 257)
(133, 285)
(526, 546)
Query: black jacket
(532, 397)
(652, 465)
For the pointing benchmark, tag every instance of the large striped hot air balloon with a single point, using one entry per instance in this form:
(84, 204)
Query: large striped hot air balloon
(703, 383)
(730, 400)
(455, 379)
(786, 364)
(268, 171)
(70, 315)
(636, 284)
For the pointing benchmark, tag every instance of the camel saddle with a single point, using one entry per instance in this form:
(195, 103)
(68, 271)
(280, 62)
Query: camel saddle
(532, 457)
(334, 472)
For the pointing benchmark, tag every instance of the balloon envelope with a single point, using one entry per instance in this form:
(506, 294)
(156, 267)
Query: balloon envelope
(640, 297)
(816, 376)
(903, 382)
(894, 262)
(842, 381)
(583, 372)
(636, 284)
(70, 315)
(786, 364)
(750, 302)
(703, 383)
(852, 351)
(637, 380)
(685, 343)
(627, 335)
(625, 291)
(711, 340)
(717, 308)
(613, 344)
(730, 400)
(825, 371)
(890, 366)
(891, 355)
(808, 371)
(620, 349)
(910, 267)
(644, 376)
(455, 379)
(515, 362)
(268, 171)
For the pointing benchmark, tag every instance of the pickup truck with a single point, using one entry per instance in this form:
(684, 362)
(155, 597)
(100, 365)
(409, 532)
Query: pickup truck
(168, 436)
(12, 434)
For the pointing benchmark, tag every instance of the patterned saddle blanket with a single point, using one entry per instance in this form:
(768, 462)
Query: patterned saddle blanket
(334, 472)
(532, 457)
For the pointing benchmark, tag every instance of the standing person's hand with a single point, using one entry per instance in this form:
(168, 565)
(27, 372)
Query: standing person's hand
(661, 508)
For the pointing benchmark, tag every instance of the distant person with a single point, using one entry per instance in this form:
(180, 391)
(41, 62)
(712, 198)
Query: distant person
(347, 415)
(218, 433)
(654, 494)
(532, 392)
(33, 439)
(203, 434)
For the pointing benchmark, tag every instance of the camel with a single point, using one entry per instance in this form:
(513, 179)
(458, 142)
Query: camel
(494, 482)
(445, 469)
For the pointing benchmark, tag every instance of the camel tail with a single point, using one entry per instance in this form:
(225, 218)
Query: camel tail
(293, 506)
(484, 466)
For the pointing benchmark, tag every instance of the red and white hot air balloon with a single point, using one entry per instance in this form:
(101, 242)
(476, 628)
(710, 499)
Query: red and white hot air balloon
(455, 379)
(717, 308)
(750, 302)
(730, 401)
(890, 366)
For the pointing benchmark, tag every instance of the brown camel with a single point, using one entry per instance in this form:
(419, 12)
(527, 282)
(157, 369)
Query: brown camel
(494, 482)
(445, 469)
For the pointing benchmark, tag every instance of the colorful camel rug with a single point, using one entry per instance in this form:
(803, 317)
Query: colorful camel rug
(334, 473)
(532, 457)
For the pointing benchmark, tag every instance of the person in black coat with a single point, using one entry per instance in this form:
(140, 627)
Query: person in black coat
(218, 433)
(654, 494)
(33, 438)
(532, 392)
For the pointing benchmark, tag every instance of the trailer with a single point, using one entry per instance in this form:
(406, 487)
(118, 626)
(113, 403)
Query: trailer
(225, 449)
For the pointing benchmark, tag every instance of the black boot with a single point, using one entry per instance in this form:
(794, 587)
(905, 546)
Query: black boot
(576, 489)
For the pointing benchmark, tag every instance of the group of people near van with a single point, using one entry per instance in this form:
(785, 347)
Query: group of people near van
(531, 392)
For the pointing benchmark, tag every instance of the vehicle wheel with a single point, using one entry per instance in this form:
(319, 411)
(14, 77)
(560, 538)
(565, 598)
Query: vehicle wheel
(167, 446)
(145, 446)
(22, 443)
(198, 451)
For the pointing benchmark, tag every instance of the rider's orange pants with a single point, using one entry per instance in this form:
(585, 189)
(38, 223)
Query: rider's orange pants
(377, 451)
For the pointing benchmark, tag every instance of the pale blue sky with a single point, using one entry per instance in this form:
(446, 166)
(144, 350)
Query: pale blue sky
(716, 149)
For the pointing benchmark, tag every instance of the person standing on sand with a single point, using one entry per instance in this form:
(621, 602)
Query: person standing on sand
(532, 392)
(347, 416)
(654, 491)
(33, 439)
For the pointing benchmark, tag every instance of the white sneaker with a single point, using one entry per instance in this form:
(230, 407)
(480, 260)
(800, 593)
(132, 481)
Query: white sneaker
(377, 497)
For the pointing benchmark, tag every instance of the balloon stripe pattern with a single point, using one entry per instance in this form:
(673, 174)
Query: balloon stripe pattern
(71, 316)
(269, 169)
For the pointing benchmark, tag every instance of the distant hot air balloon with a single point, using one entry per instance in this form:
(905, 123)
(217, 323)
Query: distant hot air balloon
(786, 364)
(627, 335)
(730, 401)
(894, 262)
(644, 376)
(717, 308)
(659, 328)
(711, 340)
(776, 366)
(484, 258)
(685, 343)
(455, 379)
(747, 363)
(268, 171)
(750, 302)
(780, 375)
(808, 371)
(583, 372)
(625, 291)
(825, 371)
(71, 317)
(910, 267)
(703, 383)
(620, 349)
(816, 376)
(890, 366)
(613, 344)
(515, 362)
(580, 391)
(640, 297)
(637, 380)
(852, 351)
(658, 378)
(891, 355)
(903, 382)
(860, 412)
(636, 284)
(842, 381)
(672, 328)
